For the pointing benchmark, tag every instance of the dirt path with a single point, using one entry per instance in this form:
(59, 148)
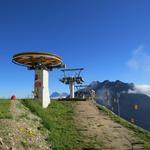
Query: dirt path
(24, 130)
(97, 126)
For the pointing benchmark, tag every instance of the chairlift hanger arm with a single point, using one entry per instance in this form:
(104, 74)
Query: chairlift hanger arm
(81, 85)
(80, 69)
(80, 72)
(69, 70)
(63, 72)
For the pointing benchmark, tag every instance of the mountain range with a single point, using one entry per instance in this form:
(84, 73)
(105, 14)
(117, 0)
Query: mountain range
(56, 95)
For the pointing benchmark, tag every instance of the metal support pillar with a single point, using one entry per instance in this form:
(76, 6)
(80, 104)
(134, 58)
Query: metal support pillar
(71, 89)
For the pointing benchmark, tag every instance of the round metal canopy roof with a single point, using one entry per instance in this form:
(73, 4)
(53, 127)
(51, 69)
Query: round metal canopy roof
(30, 59)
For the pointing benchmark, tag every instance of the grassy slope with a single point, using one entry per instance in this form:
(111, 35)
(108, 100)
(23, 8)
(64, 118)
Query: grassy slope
(143, 135)
(4, 114)
(4, 109)
(58, 118)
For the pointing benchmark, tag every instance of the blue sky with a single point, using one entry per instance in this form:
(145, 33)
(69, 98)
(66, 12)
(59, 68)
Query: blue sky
(109, 38)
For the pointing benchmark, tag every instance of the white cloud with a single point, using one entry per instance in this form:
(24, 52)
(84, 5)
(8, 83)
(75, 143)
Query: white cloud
(140, 60)
(142, 89)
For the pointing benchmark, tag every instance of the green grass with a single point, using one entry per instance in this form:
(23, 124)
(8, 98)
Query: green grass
(142, 134)
(4, 109)
(58, 119)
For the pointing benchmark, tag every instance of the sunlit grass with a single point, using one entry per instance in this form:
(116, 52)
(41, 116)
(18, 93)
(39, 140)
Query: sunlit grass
(5, 109)
(58, 119)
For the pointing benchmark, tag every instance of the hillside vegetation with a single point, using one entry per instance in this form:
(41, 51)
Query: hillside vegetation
(4, 109)
(66, 125)
(80, 125)
(20, 129)
(58, 118)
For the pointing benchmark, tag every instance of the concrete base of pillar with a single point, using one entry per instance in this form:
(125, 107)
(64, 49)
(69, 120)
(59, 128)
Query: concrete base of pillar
(41, 89)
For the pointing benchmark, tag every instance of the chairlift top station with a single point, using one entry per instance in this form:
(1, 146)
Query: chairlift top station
(72, 80)
(41, 62)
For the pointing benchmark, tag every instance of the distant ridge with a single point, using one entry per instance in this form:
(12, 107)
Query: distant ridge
(56, 95)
